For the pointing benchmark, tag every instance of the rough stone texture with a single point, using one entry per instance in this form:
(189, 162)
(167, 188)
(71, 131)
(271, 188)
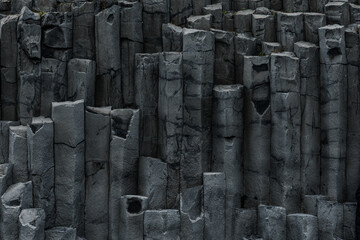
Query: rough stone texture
(198, 62)
(243, 21)
(310, 203)
(17, 197)
(312, 22)
(349, 220)
(108, 80)
(97, 140)
(244, 46)
(170, 110)
(17, 6)
(146, 99)
(32, 224)
(317, 5)
(301, 227)
(162, 224)
(124, 155)
(18, 153)
(354, 13)
(60, 233)
(295, 6)
(228, 21)
(337, 13)
(5, 176)
(81, 81)
(172, 38)
(240, 4)
(197, 5)
(330, 218)
(263, 29)
(40, 144)
(257, 130)
(58, 28)
(153, 181)
(290, 29)
(272, 222)
(4, 140)
(132, 210)
(270, 47)
(191, 213)
(180, 11)
(201, 22)
(216, 12)
(214, 205)
(245, 223)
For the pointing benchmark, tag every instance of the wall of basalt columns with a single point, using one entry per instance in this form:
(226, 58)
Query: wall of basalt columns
(169, 119)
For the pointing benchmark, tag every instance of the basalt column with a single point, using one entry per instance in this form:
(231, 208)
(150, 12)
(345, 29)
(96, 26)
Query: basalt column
(198, 66)
(170, 112)
(257, 131)
(18, 153)
(333, 110)
(227, 143)
(285, 132)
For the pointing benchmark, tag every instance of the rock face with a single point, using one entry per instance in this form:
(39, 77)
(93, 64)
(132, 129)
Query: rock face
(32, 224)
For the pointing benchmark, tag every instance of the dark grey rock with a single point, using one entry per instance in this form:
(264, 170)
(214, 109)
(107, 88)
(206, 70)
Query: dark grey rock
(216, 11)
(337, 13)
(245, 223)
(32, 224)
(330, 218)
(18, 153)
(350, 220)
(301, 227)
(200, 22)
(310, 203)
(4, 140)
(172, 37)
(243, 22)
(244, 46)
(60, 233)
(290, 29)
(312, 22)
(180, 11)
(162, 224)
(272, 222)
(5, 176)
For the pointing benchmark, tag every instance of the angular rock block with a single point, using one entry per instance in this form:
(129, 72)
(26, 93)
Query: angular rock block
(254, 4)
(272, 222)
(17, 197)
(40, 144)
(245, 222)
(296, 6)
(97, 140)
(244, 46)
(153, 181)
(290, 29)
(270, 47)
(170, 110)
(107, 35)
(146, 99)
(180, 11)
(263, 29)
(45, 5)
(18, 153)
(198, 62)
(4, 140)
(312, 22)
(124, 156)
(214, 205)
(216, 12)
(310, 203)
(58, 28)
(243, 21)
(332, 44)
(317, 6)
(200, 22)
(198, 5)
(354, 13)
(62, 233)
(240, 4)
(162, 224)
(17, 6)
(226, 4)
(191, 213)
(257, 130)
(228, 21)
(301, 227)
(330, 218)
(132, 210)
(81, 80)
(172, 37)
(350, 220)
(32, 224)
(5, 176)
(337, 13)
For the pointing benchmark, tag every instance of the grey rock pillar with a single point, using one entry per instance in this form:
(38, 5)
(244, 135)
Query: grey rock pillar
(312, 22)
(198, 62)
(290, 29)
(214, 205)
(5, 176)
(45, 5)
(28, 67)
(107, 35)
(224, 66)
(285, 177)
(226, 4)
(153, 181)
(244, 46)
(124, 157)
(17, 197)
(172, 38)
(333, 77)
(257, 130)
(154, 15)
(162, 224)
(216, 11)
(308, 55)
(97, 140)
(350, 220)
(354, 13)
(245, 223)
(238, 5)
(132, 217)
(4, 140)
(131, 40)
(84, 29)
(69, 146)
(301, 227)
(330, 219)
(228, 21)
(201, 22)
(81, 80)
(197, 6)
(180, 11)
(263, 28)
(32, 224)
(146, 99)
(272, 222)
(295, 6)
(310, 203)
(191, 213)
(270, 47)
(17, 6)
(227, 143)
(9, 54)
(337, 13)
(243, 22)
(317, 5)
(40, 144)
(63, 233)
(18, 153)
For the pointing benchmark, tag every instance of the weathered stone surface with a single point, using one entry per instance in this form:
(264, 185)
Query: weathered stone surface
(312, 22)
(226, 4)
(290, 29)
(354, 13)
(45, 5)
(272, 222)
(295, 6)
(240, 4)
(17, 197)
(18, 153)
(153, 181)
(40, 144)
(191, 213)
(180, 11)
(200, 22)
(216, 12)
(244, 46)
(146, 99)
(5, 176)
(270, 47)
(317, 5)
(214, 205)
(350, 220)
(310, 203)
(97, 140)
(257, 130)
(197, 5)
(301, 227)
(198, 62)
(228, 21)
(124, 155)
(162, 224)
(17, 6)
(81, 80)
(245, 223)
(4, 140)
(243, 21)
(172, 38)
(330, 218)
(60, 233)
(32, 224)
(58, 28)
(337, 13)
(107, 35)
(263, 29)
(132, 210)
